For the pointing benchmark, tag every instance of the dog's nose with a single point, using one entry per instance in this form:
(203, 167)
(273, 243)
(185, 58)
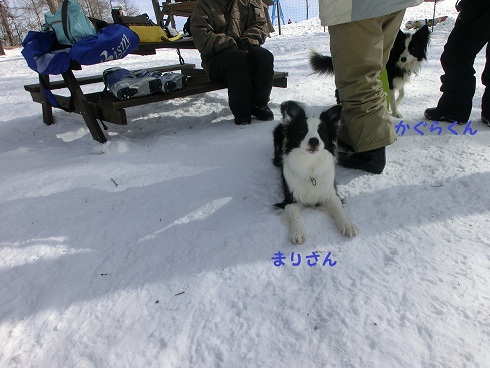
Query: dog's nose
(313, 142)
(403, 59)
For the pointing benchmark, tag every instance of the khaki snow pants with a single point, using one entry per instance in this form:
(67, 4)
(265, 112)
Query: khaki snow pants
(359, 51)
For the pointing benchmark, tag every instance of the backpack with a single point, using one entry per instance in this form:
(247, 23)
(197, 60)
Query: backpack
(69, 23)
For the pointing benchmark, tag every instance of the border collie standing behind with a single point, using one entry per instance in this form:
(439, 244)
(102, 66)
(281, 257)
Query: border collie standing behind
(406, 56)
(305, 151)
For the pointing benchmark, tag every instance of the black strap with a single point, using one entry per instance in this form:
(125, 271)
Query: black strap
(102, 95)
(53, 101)
(65, 21)
(181, 59)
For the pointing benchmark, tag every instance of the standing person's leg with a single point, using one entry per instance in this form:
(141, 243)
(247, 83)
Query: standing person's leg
(469, 35)
(360, 51)
(232, 66)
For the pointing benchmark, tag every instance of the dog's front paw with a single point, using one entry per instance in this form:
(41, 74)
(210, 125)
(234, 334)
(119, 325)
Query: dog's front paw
(347, 228)
(397, 115)
(297, 235)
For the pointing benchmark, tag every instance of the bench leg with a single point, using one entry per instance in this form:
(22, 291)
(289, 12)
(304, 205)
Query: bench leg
(82, 105)
(47, 108)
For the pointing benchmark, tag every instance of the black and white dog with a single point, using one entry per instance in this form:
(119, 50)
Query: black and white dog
(305, 151)
(406, 56)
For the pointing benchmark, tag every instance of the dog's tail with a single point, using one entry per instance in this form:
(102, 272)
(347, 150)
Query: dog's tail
(321, 64)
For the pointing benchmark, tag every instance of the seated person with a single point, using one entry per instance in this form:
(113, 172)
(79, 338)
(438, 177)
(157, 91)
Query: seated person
(117, 12)
(229, 35)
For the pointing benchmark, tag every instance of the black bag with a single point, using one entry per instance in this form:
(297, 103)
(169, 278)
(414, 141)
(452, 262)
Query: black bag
(137, 20)
(99, 24)
(187, 27)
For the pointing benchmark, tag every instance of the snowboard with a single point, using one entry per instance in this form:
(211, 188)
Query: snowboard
(416, 24)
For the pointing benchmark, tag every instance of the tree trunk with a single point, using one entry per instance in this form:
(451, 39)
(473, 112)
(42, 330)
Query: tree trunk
(40, 21)
(2, 52)
(6, 24)
(53, 5)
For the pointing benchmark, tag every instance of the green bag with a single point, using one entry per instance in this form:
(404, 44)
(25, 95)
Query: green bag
(69, 23)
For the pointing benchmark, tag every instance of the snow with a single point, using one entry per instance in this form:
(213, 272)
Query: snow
(154, 249)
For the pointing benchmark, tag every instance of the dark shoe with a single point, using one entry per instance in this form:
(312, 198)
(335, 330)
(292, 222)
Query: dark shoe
(373, 161)
(243, 120)
(262, 113)
(485, 120)
(435, 115)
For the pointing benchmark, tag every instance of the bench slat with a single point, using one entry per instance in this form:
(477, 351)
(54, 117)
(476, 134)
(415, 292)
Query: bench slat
(98, 78)
(197, 84)
(108, 108)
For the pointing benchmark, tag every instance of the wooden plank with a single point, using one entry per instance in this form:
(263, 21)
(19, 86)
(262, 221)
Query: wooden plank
(281, 81)
(82, 105)
(149, 48)
(46, 106)
(98, 78)
(109, 115)
(197, 84)
(108, 108)
(187, 91)
(180, 8)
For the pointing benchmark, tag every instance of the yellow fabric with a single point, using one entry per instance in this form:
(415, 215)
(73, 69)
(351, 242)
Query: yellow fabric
(386, 86)
(153, 34)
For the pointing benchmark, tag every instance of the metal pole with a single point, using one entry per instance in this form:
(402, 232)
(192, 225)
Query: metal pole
(434, 15)
(278, 17)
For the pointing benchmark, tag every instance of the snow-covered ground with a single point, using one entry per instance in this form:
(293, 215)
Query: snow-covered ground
(154, 249)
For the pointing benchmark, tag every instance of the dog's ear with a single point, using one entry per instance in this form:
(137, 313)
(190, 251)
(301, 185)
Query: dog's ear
(292, 110)
(329, 126)
(422, 39)
(331, 118)
(332, 115)
(424, 30)
(423, 34)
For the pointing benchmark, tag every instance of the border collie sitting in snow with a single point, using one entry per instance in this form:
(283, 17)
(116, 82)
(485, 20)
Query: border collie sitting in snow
(305, 151)
(406, 56)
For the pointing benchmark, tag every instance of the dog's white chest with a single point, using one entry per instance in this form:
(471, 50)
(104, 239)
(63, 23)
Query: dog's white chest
(310, 177)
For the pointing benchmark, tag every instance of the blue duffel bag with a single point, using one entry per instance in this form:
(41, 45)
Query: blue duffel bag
(45, 55)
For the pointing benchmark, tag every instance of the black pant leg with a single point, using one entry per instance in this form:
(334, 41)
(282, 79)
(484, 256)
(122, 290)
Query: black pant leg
(470, 34)
(262, 68)
(232, 67)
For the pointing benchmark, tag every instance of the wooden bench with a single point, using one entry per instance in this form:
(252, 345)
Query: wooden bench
(179, 8)
(106, 107)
